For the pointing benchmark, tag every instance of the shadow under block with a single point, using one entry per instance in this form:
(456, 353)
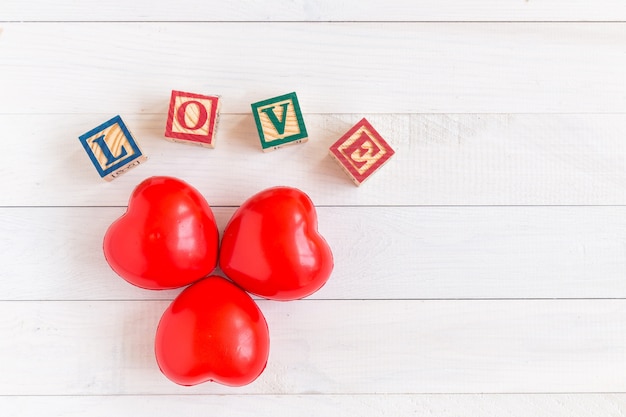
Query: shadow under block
(112, 149)
(192, 118)
(361, 151)
(279, 122)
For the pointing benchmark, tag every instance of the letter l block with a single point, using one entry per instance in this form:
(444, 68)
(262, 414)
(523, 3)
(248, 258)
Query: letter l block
(112, 149)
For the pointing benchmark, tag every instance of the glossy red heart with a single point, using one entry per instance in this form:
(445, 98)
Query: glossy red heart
(271, 246)
(166, 239)
(213, 331)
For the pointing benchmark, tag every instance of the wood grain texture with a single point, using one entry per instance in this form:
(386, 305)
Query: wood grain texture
(432, 68)
(192, 118)
(279, 122)
(510, 405)
(112, 149)
(321, 10)
(328, 347)
(361, 151)
(466, 159)
(381, 253)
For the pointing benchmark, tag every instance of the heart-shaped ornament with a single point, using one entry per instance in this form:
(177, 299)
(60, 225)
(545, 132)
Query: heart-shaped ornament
(213, 331)
(272, 248)
(166, 239)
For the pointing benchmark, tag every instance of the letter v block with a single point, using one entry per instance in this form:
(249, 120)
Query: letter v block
(192, 118)
(361, 151)
(279, 121)
(112, 149)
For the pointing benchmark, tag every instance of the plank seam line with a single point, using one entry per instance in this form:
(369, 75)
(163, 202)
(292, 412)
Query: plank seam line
(309, 300)
(357, 114)
(296, 394)
(274, 22)
(382, 206)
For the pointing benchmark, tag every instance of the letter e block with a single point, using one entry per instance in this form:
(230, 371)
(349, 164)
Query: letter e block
(192, 118)
(279, 122)
(361, 151)
(112, 149)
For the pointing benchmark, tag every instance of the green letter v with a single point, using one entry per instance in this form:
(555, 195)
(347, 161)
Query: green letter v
(278, 124)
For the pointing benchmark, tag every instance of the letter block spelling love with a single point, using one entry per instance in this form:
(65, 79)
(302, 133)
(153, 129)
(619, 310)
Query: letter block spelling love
(361, 151)
(112, 149)
(279, 121)
(192, 118)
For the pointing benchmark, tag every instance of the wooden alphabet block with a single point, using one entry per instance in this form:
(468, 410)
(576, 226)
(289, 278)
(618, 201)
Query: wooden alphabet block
(279, 122)
(361, 151)
(112, 149)
(192, 118)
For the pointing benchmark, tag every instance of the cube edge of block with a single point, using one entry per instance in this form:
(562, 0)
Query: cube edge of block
(125, 168)
(191, 142)
(352, 178)
(272, 148)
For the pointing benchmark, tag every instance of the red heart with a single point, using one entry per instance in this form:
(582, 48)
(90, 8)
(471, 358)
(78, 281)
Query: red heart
(166, 239)
(271, 246)
(213, 331)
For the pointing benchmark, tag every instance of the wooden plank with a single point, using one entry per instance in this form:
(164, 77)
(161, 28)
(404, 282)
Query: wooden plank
(323, 10)
(487, 405)
(466, 159)
(330, 347)
(121, 68)
(380, 253)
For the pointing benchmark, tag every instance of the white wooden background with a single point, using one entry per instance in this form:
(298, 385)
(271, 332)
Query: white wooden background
(482, 272)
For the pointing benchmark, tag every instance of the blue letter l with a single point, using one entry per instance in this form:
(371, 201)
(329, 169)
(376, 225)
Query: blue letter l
(107, 152)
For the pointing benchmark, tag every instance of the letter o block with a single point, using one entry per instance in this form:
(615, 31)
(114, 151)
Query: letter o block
(361, 151)
(192, 118)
